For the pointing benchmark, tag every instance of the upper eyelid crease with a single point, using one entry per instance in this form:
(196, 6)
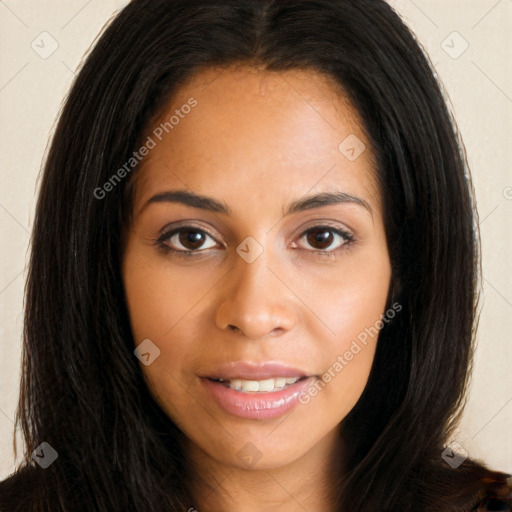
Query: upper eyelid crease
(306, 203)
(167, 233)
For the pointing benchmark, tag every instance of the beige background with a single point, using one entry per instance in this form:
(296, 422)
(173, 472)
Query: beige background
(478, 82)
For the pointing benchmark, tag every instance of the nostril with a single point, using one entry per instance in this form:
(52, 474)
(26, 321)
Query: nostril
(234, 328)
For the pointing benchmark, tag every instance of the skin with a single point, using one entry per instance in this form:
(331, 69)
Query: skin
(256, 142)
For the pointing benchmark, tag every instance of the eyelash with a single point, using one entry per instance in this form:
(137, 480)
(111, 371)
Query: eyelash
(166, 235)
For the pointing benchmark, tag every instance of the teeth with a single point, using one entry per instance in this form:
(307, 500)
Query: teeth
(260, 385)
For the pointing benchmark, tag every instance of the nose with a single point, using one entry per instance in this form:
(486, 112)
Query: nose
(255, 301)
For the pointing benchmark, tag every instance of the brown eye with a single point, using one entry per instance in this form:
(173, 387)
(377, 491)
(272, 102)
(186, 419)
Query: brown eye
(320, 238)
(191, 239)
(187, 240)
(326, 238)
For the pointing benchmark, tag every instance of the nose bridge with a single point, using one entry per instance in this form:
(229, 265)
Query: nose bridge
(255, 301)
(252, 275)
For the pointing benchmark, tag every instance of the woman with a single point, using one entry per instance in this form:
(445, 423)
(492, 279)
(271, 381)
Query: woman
(253, 274)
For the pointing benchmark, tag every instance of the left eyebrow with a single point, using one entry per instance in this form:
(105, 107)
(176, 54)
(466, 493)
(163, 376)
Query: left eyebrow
(325, 199)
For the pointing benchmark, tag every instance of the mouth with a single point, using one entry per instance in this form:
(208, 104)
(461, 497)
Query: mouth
(269, 385)
(255, 391)
(264, 399)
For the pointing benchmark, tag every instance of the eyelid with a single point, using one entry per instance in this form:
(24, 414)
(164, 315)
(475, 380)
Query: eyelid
(344, 233)
(319, 223)
(171, 229)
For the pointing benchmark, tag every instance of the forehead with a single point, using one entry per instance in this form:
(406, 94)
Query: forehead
(274, 134)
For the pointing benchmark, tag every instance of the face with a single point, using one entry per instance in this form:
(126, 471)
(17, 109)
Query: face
(257, 256)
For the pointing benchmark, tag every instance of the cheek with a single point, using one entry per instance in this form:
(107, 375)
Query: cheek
(159, 297)
(346, 302)
(164, 306)
(173, 395)
(345, 378)
(351, 307)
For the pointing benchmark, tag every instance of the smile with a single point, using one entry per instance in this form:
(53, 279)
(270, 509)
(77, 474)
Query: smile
(256, 399)
(259, 386)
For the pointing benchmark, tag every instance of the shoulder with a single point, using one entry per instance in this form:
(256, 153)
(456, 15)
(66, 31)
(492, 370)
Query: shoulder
(496, 493)
(20, 491)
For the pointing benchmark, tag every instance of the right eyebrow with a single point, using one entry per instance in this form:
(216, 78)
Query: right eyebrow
(189, 199)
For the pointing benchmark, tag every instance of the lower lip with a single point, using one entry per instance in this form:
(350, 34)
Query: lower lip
(256, 405)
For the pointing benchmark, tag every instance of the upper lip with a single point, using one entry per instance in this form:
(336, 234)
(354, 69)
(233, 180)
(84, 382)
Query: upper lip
(253, 371)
